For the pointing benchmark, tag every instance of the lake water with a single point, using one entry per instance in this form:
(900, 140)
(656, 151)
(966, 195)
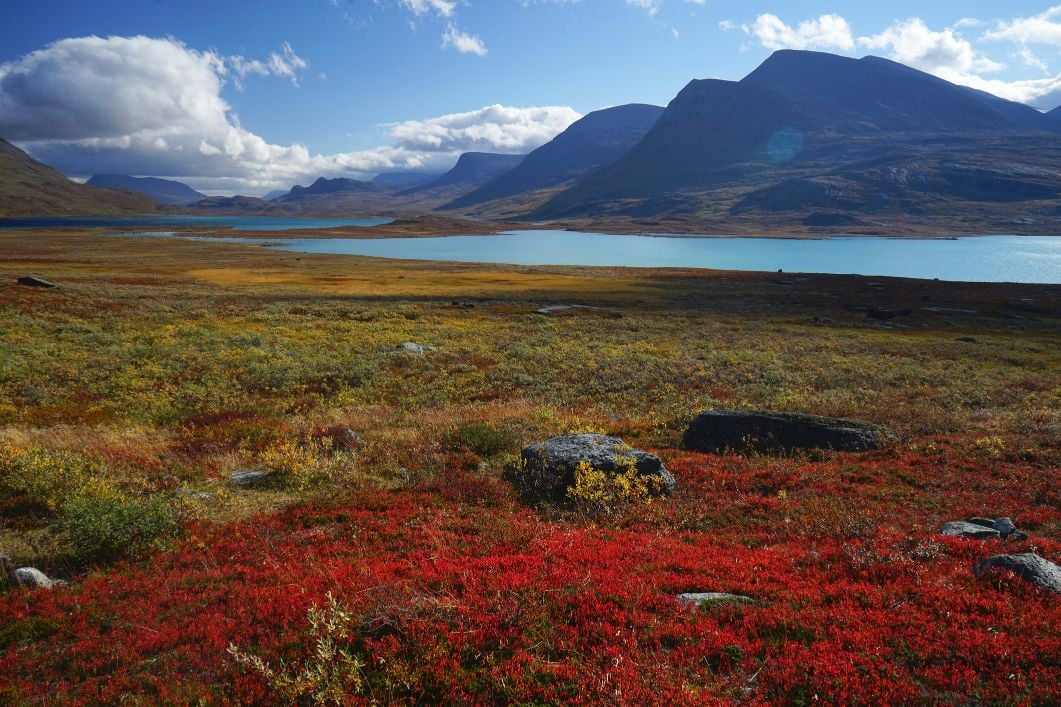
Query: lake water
(236, 223)
(1031, 259)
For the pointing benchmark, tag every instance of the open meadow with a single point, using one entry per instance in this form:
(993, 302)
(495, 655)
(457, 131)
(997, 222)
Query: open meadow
(387, 558)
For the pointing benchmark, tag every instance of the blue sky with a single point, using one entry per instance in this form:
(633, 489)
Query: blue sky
(238, 96)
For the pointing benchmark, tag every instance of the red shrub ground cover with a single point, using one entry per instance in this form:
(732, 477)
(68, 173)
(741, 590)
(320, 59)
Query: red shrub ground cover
(463, 596)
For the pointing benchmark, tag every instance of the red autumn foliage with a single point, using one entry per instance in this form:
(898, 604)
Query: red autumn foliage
(463, 596)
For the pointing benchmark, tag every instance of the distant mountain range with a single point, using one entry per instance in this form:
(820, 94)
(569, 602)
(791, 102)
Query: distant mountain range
(806, 142)
(164, 191)
(596, 140)
(818, 139)
(29, 188)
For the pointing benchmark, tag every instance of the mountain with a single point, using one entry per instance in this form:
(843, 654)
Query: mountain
(275, 194)
(473, 169)
(29, 188)
(164, 191)
(818, 137)
(598, 139)
(404, 180)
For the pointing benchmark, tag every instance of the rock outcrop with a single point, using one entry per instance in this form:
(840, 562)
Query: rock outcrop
(721, 431)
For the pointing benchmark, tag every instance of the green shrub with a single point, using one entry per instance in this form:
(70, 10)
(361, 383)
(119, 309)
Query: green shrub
(486, 441)
(105, 529)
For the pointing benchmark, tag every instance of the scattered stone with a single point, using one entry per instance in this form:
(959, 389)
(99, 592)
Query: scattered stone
(967, 529)
(700, 599)
(249, 478)
(344, 439)
(1027, 566)
(569, 309)
(31, 281)
(720, 431)
(192, 494)
(966, 339)
(411, 347)
(548, 467)
(30, 577)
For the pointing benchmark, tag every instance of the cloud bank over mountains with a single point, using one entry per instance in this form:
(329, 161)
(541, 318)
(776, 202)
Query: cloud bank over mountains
(144, 105)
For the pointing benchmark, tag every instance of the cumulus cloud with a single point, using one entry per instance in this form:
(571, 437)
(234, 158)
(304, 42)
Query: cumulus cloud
(825, 32)
(494, 128)
(1044, 28)
(154, 106)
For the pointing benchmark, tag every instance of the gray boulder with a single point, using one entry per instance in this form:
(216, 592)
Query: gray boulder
(250, 478)
(31, 281)
(1027, 566)
(966, 529)
(548, 467)
(411, 347)
(984, 528)
(30, 577)
(721, 431)
(709, 598)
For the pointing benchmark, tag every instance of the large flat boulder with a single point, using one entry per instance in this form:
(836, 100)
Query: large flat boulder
(1027, 566)
(721, 431)
(547, 468)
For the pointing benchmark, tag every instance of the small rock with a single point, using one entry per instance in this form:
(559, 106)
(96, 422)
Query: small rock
(31, 281)
(192, 494)
(30, 577)
(1027, 566)
(966, 339)
(411, 347)
(720, 431)
(248, 478)
(708, 598)
(344, 439)
(966, 529)
(569, 309)
(548, 467)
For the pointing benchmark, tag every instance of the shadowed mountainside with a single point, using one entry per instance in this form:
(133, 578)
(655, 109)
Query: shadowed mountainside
(29, 188)
(164, 191)
(596, 140)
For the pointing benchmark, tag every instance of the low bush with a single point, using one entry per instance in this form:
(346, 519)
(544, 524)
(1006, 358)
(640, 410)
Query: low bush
(107, 528)
(486, 441)
(603, 493)
(50, 478)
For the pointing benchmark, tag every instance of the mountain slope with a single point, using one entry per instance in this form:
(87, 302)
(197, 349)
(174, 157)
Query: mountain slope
(589, 143)
(404, 180)
(29, 188)
(815, 131)
(164, 191)
(473, 169)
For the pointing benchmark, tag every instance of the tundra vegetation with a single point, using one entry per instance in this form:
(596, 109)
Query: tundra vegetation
(397, 564)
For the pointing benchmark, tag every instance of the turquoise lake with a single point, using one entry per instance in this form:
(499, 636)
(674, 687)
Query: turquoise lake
(236, 223)
(1029, 259)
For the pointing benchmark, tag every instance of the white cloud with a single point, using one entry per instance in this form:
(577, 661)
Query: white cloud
(152, 106)
(825, 32)
(649, 6)
(443, 8)
(1044, 28)
(285, 63)
(463, 42)
(494, 128)
(944, 53)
